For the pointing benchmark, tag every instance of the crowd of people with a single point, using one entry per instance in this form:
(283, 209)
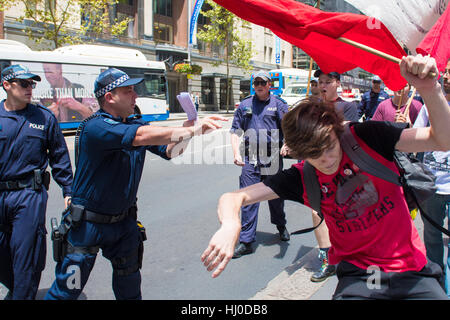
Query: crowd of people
(367, 221)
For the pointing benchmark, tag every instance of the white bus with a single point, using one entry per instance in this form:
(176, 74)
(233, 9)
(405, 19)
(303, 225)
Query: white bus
(68, 75)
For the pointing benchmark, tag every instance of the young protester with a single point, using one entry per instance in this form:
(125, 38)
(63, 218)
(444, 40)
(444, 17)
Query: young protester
(328, 85)
(371, 231)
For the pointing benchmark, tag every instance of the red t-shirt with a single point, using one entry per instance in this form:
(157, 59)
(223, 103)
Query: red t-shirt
(367, 218)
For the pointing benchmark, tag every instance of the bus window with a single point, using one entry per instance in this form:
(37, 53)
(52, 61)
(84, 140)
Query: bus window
(153, 86)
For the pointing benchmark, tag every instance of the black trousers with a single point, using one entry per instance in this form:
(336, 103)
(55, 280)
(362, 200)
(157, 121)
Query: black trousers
(359, 284)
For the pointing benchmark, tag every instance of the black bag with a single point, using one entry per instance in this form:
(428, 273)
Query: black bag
(417, 180)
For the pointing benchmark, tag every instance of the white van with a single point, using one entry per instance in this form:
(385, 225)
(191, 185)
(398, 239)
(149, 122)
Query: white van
(294, 92)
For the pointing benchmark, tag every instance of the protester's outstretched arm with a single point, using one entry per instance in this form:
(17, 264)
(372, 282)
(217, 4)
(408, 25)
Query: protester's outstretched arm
(221, 245)
(415, 70)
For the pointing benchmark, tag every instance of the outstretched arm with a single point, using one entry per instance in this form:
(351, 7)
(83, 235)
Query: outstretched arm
(154, 135)
(415, 70)
(221, 245)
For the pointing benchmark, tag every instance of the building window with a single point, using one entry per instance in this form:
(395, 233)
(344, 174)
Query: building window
(163, 32)
(128, 9)
(163, 7)
(208, 90)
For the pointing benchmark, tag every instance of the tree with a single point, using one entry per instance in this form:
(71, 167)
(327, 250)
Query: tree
(222, 31)
(67, 21)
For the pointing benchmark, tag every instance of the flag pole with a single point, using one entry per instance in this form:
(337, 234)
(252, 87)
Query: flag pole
(308, 86)
(405, 113)
(375, 52)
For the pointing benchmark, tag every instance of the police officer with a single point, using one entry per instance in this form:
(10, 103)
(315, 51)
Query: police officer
(371, 99)
(258, 118)
(30, 139)
(110, 158)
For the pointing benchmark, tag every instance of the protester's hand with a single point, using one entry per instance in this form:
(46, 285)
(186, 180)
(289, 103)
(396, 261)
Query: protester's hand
(400, 117)
(221, 248)
(416, 70)
(238, 160)
(284, 151)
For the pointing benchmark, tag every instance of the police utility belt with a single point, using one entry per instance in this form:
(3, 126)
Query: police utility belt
(72, 218)
(78, 213)
(34, 181)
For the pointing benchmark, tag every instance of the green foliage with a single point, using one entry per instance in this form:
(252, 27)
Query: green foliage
(222, 32)
(59, 21)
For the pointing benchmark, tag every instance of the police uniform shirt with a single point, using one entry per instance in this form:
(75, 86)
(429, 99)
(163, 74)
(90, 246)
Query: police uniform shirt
(109, 167)
(255, 114)
(370, 101)
(31, 139)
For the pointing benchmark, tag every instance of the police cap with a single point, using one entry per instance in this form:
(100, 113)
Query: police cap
(113, 78)
(18, 71)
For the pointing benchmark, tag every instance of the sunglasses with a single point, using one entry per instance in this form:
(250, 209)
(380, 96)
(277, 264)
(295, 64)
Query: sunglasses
(260, 83)
(24, 83)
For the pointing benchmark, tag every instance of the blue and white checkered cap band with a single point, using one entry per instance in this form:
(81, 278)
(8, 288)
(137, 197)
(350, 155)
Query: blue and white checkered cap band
(13, 75)
(111, 86)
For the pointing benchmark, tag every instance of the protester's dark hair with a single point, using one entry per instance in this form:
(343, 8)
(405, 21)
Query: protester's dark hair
(307, 128)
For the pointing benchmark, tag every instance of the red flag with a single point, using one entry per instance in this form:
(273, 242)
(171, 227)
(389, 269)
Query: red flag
(437, 41)
(316, 31)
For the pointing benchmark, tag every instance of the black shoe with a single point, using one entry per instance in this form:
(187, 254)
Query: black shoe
(326, 270)
(242, 249)
(284, 234)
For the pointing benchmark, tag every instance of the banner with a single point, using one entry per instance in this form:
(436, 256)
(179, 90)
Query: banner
(195, 12)
(316, 32)
(437, 42)
(408, 20)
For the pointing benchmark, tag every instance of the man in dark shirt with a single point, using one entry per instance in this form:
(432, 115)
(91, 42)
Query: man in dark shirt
(328, 85)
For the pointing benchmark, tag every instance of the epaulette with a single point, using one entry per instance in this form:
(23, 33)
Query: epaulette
(42, 107)
(281, 99)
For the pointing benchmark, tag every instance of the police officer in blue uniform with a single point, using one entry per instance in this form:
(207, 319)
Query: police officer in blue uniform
(258, 119)
(110, 153)
(30, 139)
(371, 99)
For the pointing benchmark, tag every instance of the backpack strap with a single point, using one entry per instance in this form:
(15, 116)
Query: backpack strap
(363, 160)
(312, 188)
(368, 164)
